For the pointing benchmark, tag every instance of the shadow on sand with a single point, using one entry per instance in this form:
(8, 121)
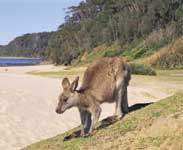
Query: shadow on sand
(108, 121)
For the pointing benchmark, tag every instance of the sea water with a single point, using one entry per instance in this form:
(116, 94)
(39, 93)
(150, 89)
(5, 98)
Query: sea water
(19, 61)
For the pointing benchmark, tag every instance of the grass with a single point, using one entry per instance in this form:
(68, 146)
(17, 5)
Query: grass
(97, 53)
(141, 52)
(157, 126)
(170, 56)
(72, 72)
(157, 50)
(141, 69)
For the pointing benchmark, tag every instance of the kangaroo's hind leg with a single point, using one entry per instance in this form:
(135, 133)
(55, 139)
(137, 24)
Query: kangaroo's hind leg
(121, 99)
(124, 101)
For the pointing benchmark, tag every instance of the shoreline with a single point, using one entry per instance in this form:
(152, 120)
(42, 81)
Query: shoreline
(21, 61)
(19, 58)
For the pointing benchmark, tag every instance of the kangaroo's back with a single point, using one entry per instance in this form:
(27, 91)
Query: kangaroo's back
(100, 78)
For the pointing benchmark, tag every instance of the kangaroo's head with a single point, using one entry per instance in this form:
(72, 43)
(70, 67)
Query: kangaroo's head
(68, 98)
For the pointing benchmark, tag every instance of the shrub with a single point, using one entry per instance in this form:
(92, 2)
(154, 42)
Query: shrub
(153, 42)
(141, 69)
(111, 53)
(170, 56)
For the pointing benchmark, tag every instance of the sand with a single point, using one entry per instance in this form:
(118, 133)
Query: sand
(27, 105)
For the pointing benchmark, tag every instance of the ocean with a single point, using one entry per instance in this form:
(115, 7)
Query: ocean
(19, 61)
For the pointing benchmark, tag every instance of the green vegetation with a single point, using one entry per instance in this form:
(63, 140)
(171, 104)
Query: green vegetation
(28, 45)
(142, 51)
(72, 72)
(170, 56)
(141, 69)
(97, 22)
(156, 126)
(134, 29)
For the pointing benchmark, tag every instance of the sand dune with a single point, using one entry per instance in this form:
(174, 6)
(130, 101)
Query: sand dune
(27, 106)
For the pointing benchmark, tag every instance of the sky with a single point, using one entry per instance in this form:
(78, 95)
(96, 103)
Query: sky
(18, 17)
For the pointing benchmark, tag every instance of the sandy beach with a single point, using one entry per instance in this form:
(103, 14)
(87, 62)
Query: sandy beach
(27, 104)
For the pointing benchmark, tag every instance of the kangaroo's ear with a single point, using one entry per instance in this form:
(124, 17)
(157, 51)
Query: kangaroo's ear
(74, 84)
(66, 84)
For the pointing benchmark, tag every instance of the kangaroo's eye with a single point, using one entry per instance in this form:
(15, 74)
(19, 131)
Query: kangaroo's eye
(65, 99)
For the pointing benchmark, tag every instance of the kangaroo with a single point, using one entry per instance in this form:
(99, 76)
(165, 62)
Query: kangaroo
(105, 80)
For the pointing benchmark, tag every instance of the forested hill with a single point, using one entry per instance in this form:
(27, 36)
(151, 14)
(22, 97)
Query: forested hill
(28, 45)
(135, 28)
(97, 28)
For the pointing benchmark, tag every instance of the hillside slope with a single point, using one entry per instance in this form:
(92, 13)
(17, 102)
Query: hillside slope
(139, 27)
(157, 126)
(170, 56)
(28, 45)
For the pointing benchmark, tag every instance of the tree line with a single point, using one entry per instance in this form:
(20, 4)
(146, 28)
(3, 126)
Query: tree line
(96, 22)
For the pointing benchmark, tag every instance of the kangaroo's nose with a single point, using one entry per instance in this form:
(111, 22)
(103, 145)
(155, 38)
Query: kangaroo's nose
(57, 111)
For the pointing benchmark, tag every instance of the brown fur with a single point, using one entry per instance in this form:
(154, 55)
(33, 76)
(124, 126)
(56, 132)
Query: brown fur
(105, 80)
(100, 78)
